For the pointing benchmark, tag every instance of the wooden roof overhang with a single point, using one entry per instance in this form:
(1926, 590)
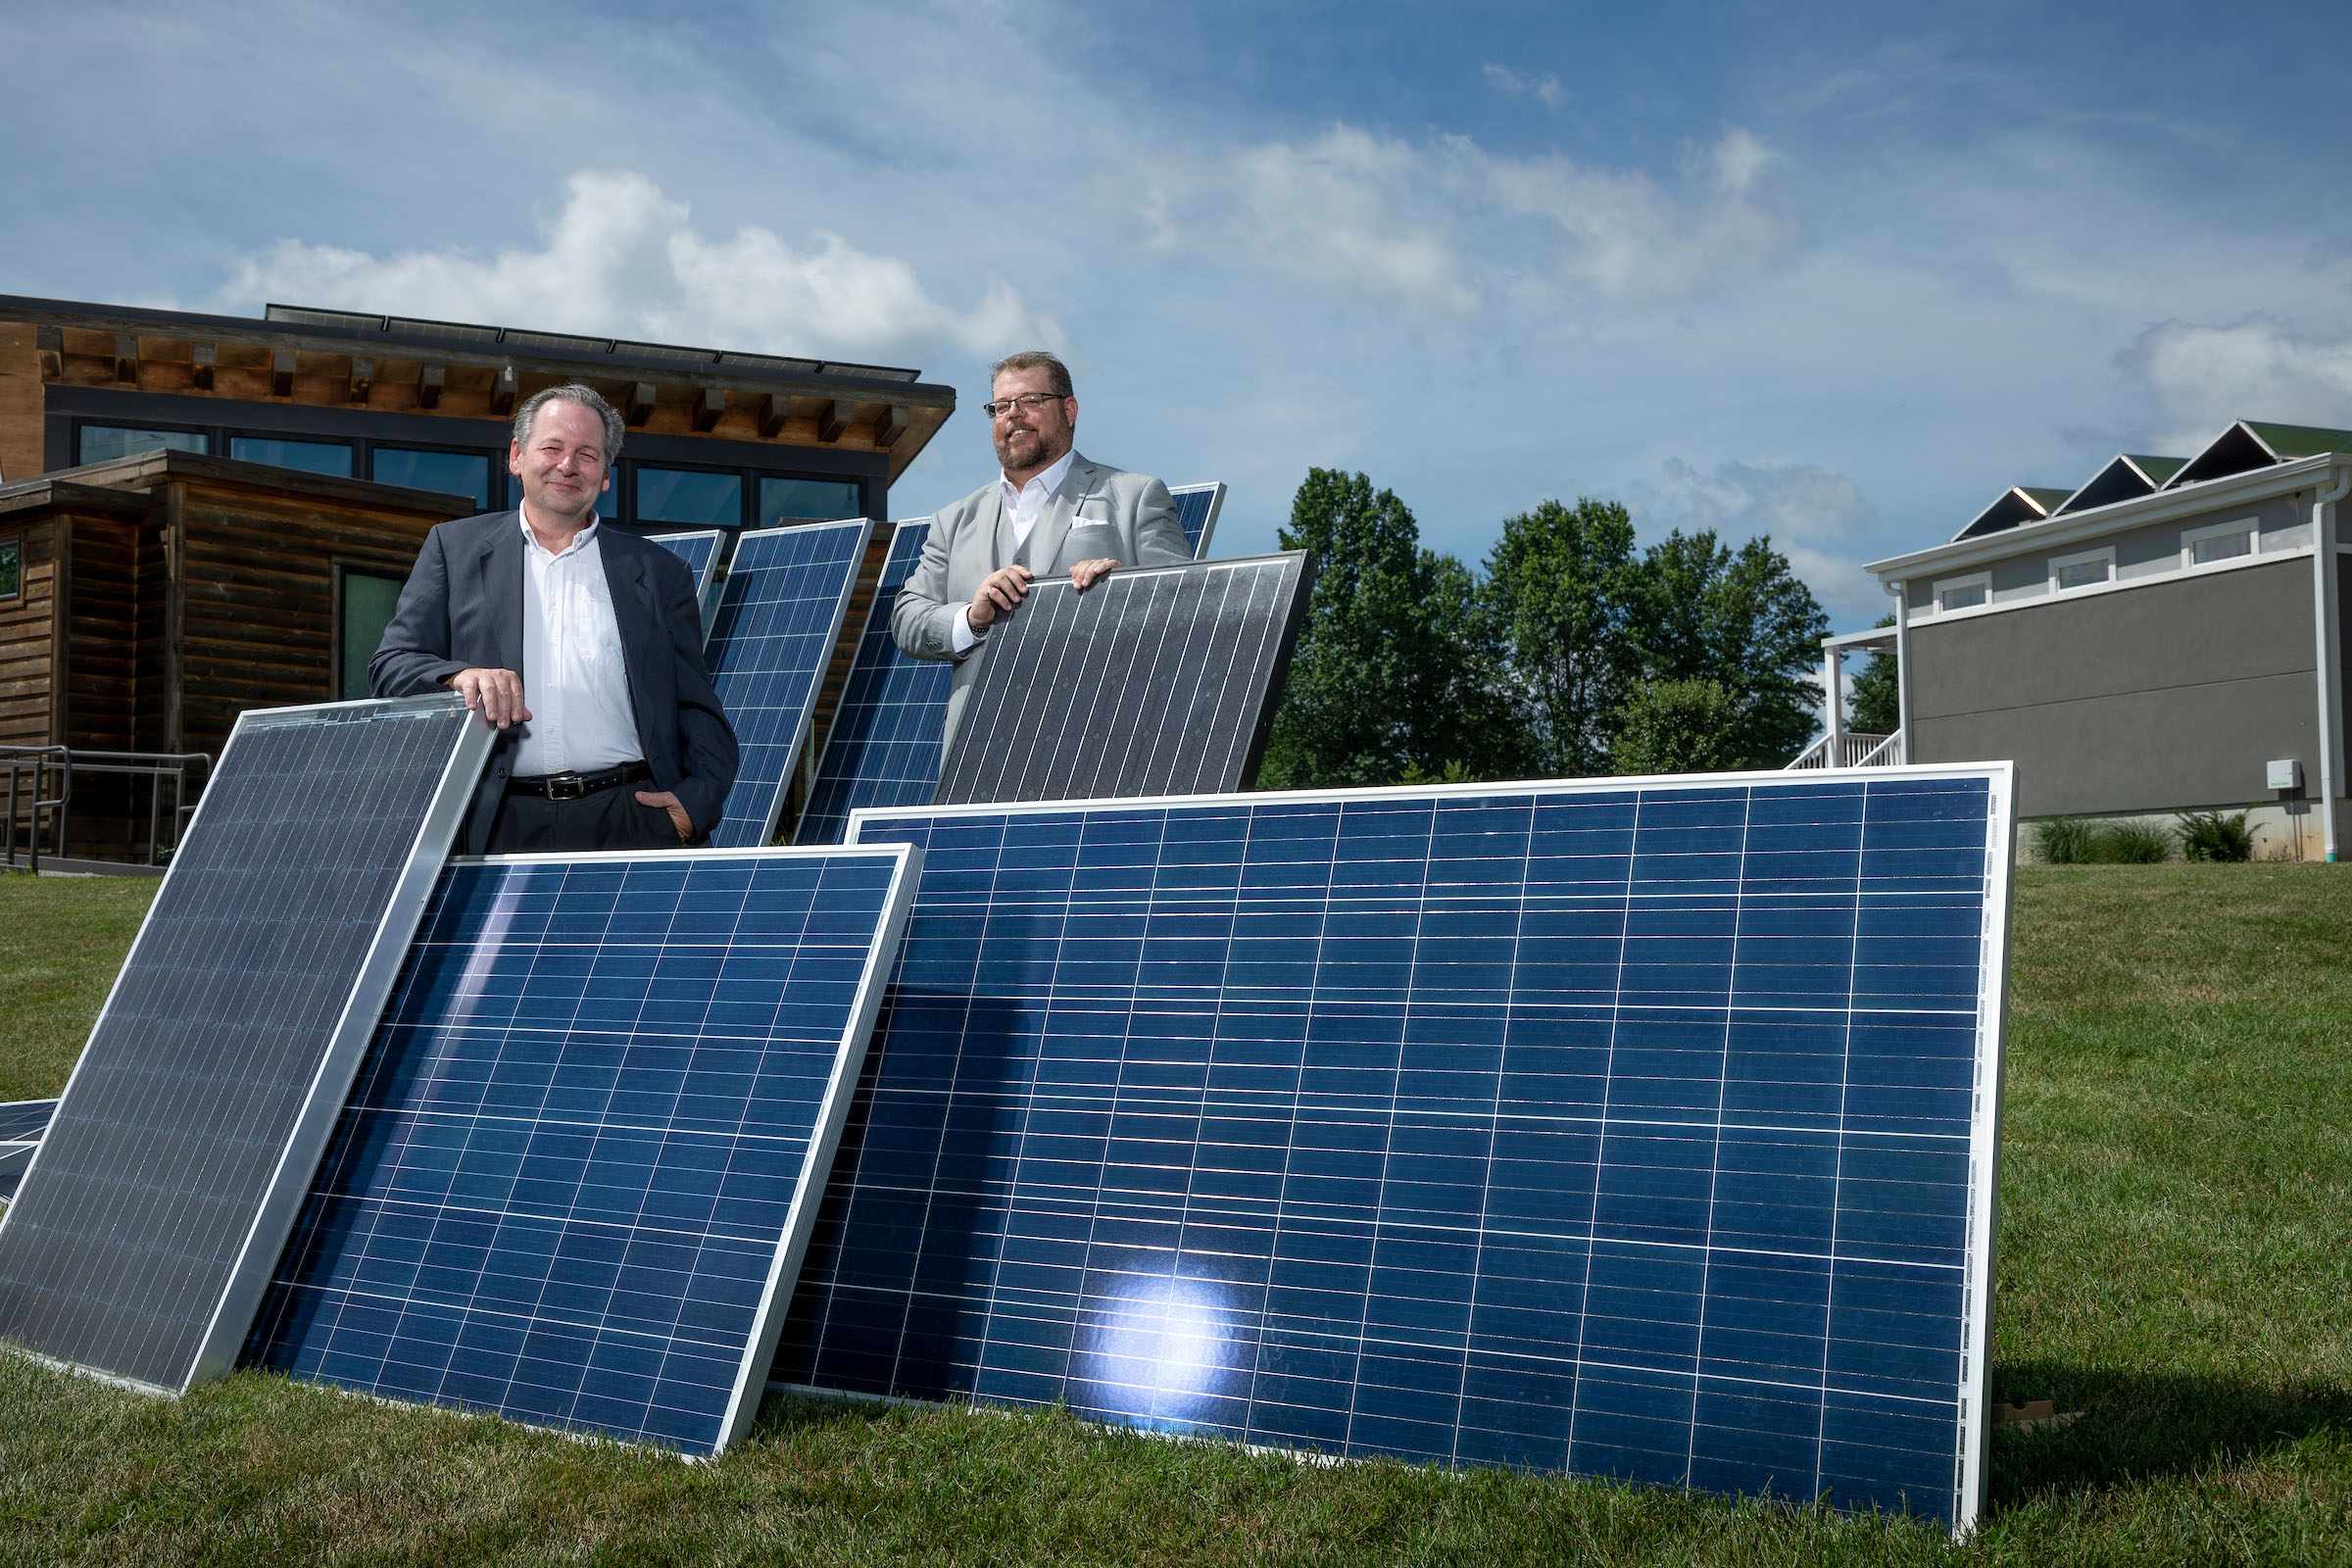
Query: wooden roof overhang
(339, 358)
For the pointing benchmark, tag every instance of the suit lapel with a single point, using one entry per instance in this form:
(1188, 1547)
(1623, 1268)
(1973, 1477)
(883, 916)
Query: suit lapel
(632, 608)
(501, 586)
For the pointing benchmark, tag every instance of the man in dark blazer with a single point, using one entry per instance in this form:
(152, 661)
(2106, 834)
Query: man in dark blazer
(583, 646)
(1052, 512)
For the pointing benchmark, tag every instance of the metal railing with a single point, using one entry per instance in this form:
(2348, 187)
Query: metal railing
(1849, 750)
(40, 763)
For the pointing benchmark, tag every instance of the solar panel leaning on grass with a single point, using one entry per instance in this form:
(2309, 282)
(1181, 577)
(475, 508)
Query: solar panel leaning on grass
(579, 1168)
(883, 749)
(779, 615)
(1197, 509)
(144, 1230)
(700, 550)
(1638, 1128)
(1157, 681)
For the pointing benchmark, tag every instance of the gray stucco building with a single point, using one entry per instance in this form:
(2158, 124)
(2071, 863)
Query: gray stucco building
(2166, 637)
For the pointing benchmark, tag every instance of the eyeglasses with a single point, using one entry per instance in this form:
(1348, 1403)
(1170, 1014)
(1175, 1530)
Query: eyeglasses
(1031, 400)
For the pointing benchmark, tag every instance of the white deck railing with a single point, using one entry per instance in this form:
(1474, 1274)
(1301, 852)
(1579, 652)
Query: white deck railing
(1852, 751)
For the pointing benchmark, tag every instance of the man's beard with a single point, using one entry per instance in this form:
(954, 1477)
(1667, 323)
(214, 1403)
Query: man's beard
(1042, 453)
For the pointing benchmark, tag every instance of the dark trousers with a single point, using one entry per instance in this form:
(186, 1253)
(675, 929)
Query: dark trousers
(609, 819)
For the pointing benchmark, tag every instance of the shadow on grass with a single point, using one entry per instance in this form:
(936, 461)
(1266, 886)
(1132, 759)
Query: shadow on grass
(2139, 1426)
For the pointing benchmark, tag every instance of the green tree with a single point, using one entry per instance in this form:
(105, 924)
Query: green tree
(1743, 620)
(1394, 670)
(1674, 726)
(1878, 704)
(1564, 587)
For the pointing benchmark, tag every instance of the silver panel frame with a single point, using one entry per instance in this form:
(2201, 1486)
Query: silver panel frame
(708, 584)
(1216, 504)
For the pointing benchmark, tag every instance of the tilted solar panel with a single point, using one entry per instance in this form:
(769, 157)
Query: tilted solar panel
(700, 551)
(883, 749)
(778, 616)
(1197, 509)
(577, 1174)
(144, 1230)
(22, 1120)
(1160, 681)
(1640, 1129)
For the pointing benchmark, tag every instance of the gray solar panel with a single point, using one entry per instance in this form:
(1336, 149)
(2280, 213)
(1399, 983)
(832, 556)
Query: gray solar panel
(1162, 681)
(22, 1122)
(1635, 1128)
(701, 551)
(1197, 509)
(779, 616)
(576, 1177)
(144, 1230)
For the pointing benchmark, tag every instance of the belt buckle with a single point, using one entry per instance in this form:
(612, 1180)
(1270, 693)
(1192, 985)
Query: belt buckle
(567, 787)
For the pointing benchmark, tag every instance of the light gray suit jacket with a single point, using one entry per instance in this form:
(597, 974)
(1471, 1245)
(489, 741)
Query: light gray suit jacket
(1096, 512)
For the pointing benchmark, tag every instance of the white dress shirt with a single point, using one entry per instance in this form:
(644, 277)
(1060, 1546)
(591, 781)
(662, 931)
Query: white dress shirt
(1024, 506)
(573, 679)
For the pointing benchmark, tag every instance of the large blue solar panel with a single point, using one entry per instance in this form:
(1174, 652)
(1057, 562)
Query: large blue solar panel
(577, 1173)
(778, 617)
(142, 1234)
(22, 1122)
(883, 749)
(1197, 509)
(1642, 1130)
(700, 551)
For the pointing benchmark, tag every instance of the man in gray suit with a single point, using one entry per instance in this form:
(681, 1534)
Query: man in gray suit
(1051, 512)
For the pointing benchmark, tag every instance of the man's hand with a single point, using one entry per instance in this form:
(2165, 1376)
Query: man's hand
(1086, 573)
(998, 592)
(677, 813)
(495, 694)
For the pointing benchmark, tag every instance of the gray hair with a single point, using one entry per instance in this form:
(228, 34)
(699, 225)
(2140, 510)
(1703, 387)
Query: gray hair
(587, 396)
(1057, 375)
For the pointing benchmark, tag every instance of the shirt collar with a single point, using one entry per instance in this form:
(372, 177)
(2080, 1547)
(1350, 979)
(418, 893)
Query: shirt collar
(1051, 479)
(579, 541)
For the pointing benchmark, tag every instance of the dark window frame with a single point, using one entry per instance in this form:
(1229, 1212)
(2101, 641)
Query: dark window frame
(350, 445)
(499, 479)
(344, 570)
(14, 544)
(747, 484)
(760, 476)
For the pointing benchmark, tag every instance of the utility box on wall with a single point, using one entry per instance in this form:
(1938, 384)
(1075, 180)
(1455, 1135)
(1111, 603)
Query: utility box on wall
(2286, 773)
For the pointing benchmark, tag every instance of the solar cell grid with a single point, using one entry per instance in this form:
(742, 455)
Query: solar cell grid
(700, 551)
(1630, 1130)
(1155, 682)
(1197, 509)
(883, 749)
(21, 1119)
(779, 615)
(575, 1178)
(146, 1223)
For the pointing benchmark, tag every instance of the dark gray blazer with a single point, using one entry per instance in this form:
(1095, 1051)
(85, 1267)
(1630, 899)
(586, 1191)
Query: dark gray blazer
(463, 610)
(1096, 511)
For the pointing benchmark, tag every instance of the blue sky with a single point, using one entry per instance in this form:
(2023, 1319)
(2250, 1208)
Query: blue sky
(1839, 274)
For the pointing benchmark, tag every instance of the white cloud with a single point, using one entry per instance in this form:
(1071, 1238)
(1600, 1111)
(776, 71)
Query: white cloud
(1621, 234)
(2202, 377)
(1806, 510)
(1514, 83)
(621, 257)
(1352, 209)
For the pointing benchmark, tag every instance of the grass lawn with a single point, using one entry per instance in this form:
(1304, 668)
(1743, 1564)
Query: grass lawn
(2176, 1261)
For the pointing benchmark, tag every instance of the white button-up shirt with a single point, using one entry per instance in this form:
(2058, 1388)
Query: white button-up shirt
(574, 678)
(1024, 506)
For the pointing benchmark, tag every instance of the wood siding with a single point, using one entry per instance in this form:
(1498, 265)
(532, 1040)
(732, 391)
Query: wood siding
(27, 628)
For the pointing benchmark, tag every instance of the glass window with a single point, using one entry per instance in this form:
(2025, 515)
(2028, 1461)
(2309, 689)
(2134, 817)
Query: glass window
(1964, 593)
(683, 496)
(12, 567)
(311, 457)
(456, 473)
(822, 499)
(2222, 546)
(2085, 570)
(368, 598)
(103, 443)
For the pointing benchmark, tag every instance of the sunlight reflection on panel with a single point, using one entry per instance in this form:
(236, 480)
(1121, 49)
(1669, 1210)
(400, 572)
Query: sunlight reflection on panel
(1160, 1351)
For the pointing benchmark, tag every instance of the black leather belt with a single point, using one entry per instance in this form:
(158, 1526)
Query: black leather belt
(577, 786)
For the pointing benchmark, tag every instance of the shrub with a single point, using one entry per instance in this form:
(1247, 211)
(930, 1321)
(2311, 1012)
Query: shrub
(2211, 836)
(2131, 844)
(2063, 840)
